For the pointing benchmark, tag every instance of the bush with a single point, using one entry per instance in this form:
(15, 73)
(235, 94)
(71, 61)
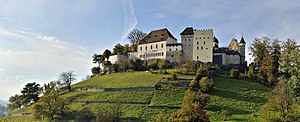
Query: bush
(194, 85)
(189, 66)
(206, 84)
(250, 73)
(234, 73)
(225, 112)
(202, 71)
(174, 75)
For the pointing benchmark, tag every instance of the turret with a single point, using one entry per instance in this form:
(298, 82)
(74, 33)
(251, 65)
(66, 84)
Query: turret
(241, 50)
(216, 42)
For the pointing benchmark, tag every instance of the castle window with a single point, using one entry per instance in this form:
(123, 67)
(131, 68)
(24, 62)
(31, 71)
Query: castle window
(172, 56)
(204, 42)
(155, 35)
(207, 37)
(197, 43)
(201, 47)
(162, 53)
(162, 34)
(203, 37)
(151, 47)
(197, 48)
(189, 39)
(156, 46)
(184, 39)
(206, 48)
(196, 38)
(162, 45)
(197, 57)
(176, 49)
(141, 48)
(200, 38)
(146, 48)
(189, 45)
(202, 33)
(170, 49)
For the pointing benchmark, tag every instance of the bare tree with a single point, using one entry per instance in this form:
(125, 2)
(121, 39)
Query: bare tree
(135, 36)
(67, 78)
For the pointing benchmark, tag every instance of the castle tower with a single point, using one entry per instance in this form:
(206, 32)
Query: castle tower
(241, 49)
(187, 42)
(198, 44)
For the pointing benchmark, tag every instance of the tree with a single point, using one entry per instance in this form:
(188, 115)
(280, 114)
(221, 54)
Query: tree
(191, 110)
(49, 105)
(250, 72)
(15, 102)
(205, 84)
(135, 36)
(67, 78)
(280, 103)
(287, 62)
(96, 70)
(189, 66)
(30, 93)
(97, 59)
(273, 63)
(202, 71)
(106, 54)
(118, 49)
(162, 64)
(53, 86)
(195, 85)
(109, 114)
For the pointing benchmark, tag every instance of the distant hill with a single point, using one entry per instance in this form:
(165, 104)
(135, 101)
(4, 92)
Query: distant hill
(3, 110)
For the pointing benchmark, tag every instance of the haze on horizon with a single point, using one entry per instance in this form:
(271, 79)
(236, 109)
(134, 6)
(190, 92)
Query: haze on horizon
(40, 39)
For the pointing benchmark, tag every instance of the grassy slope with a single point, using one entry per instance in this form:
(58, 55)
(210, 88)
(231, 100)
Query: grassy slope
(242, 98)
(120, 80)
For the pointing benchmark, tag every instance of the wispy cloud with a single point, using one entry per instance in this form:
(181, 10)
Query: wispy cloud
(130, 18)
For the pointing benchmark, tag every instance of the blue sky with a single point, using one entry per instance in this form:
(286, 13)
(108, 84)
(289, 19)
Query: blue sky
(41, 38)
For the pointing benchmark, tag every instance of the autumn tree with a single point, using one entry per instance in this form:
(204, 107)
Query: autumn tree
(192, 109)
(189, 66)
(49, 106)
(67, 78)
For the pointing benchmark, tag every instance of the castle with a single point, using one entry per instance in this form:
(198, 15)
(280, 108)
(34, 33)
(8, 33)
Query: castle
(198, 45)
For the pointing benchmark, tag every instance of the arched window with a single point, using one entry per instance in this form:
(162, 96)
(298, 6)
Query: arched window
(156, 46)
(151, 47)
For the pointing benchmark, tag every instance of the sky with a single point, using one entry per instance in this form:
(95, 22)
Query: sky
(39, 39)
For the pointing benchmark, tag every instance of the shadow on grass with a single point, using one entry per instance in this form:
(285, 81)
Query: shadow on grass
(232, 110)
(238, 96)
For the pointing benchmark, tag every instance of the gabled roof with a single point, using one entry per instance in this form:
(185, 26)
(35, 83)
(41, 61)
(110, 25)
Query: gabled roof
(187, 31)
(242, 41)
(157, 36)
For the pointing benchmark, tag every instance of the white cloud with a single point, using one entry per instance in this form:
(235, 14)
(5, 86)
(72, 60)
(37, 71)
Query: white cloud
(42, 59)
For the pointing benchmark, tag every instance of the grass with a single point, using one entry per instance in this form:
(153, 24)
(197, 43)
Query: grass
(16, 119)
(123, 96)
(241, 98)
(168, 96)
(231, 99)
(121, 80)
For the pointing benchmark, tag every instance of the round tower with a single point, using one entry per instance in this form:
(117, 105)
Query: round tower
(241, 50)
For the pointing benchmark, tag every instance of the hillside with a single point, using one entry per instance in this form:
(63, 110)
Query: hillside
(241, 99)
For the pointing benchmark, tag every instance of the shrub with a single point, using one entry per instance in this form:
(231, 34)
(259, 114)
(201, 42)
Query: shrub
(234, 73)
(225, 112)
(174, 75)
(158, 118)
(189, 66)
(205, 84)
(250, 73)
(202, 71)
(194, 85)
